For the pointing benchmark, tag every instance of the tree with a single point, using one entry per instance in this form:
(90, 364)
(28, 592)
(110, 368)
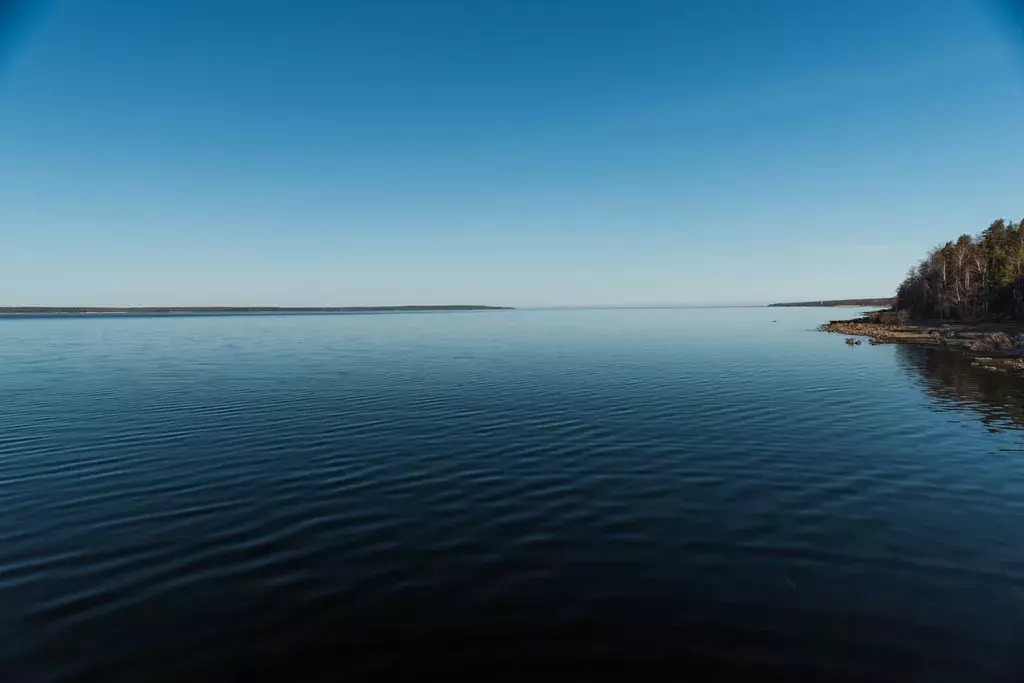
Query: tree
(980, 276)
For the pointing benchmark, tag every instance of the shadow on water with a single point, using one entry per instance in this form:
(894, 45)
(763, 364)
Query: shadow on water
(996, 398)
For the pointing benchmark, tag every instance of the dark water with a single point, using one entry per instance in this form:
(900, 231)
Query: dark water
(633, 492)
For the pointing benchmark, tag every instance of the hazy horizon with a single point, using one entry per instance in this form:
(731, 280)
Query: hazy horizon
(629, 304)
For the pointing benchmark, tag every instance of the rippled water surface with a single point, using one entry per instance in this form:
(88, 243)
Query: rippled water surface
(612, 491)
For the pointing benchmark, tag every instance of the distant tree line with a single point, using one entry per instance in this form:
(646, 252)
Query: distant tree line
(970, 279)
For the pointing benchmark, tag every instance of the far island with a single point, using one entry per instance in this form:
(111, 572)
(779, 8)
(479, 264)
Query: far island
(884, 301)
(180, 310)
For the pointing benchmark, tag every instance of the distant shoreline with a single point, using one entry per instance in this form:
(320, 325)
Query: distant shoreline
(179, 310)
(838, 303)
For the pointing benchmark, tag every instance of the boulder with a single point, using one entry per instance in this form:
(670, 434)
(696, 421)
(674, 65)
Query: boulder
(1000, 340)
(994, 341)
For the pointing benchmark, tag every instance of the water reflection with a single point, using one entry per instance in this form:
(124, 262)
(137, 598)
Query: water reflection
(996, 398)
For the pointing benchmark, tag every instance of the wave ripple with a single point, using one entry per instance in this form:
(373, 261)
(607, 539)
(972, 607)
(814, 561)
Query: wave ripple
(542, 491)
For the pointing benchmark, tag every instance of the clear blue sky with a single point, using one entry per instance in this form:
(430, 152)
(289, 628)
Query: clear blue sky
(522, 152)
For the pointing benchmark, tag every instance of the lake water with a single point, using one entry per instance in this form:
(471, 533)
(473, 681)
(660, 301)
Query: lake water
(604, 491)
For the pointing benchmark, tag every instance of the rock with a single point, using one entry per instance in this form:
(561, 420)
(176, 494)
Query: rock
(1000, 340)
(851, 341)
(993, 341)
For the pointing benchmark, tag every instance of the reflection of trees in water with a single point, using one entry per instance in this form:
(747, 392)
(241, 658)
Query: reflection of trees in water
(997, 398)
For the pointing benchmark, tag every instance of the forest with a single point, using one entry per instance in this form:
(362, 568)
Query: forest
(973, 278)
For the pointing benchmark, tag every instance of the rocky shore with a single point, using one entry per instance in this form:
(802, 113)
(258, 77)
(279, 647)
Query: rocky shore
(992, 346)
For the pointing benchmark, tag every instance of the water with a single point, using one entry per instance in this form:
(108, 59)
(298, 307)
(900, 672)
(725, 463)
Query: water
(605, 491)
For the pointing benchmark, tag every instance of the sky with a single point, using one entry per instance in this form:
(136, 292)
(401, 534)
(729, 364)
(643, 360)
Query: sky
(519, 152)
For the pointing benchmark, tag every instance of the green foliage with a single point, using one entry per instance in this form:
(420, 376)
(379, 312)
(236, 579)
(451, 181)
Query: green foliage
(972, 278)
